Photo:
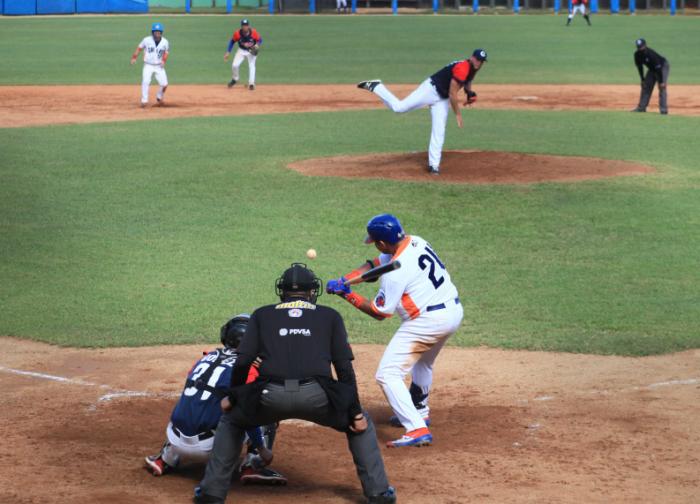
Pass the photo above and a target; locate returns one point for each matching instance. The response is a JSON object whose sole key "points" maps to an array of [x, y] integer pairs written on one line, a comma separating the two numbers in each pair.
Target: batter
{"points": [[423, 295]]}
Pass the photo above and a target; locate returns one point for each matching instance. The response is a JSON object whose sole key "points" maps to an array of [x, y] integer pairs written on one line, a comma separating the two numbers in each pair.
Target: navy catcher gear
{"points": [[233, 330]]}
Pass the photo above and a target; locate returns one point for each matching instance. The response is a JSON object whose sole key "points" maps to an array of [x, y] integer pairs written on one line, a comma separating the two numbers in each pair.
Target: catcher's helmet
{"points": [[386, 228], [157, 27], [640, 42], [298, 278], [233, 330]]}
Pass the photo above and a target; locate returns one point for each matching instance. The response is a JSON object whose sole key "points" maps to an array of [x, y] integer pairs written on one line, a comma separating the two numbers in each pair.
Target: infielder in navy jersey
{"points": [[191, 430], [249, 42], [440, 93]]}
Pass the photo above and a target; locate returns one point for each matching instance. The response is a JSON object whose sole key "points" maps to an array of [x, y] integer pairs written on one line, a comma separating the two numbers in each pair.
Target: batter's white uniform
{"points": [[153, 65], [423, 295], [424, 95]]}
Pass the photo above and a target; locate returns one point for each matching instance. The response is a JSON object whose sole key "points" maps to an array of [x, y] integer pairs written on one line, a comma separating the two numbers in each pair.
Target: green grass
{"points": [[324, 49], [110, 240]]}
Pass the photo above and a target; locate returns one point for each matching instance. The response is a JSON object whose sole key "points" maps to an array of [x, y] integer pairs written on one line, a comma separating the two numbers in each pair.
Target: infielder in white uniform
{"points": [[156, 50], [440, 93], [427, 301]]}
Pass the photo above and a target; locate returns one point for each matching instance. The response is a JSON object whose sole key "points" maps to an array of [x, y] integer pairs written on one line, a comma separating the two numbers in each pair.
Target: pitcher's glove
{"points": [[471, 97], [254, 49]]}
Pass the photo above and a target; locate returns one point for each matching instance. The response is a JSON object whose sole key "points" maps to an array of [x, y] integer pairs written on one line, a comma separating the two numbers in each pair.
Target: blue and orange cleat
{"points": [[418, 437]]}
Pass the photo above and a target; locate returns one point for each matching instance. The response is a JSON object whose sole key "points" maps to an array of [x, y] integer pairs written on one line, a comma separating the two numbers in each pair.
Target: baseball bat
{"points": [[374, 273]]}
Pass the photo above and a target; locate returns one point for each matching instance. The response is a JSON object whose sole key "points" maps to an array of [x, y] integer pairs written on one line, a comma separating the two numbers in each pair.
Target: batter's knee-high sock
{"points": [[588, 20]]}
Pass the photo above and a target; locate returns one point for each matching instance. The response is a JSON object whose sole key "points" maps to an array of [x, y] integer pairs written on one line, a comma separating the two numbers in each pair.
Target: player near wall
{"points": [[156, 50], [249, 41], [578, 6]]}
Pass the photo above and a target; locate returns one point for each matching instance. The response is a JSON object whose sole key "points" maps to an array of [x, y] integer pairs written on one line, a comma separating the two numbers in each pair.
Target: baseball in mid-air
{"points": [[311, 253]]}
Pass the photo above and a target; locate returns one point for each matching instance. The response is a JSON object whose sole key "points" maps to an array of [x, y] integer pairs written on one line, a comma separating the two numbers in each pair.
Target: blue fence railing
{"points": [[32, 7]]}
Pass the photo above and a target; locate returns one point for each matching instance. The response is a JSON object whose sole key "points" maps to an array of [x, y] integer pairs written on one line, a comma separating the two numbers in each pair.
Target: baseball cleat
{"points": [[664, 112], [395, 422], [433, 171], [637, 110], [202, 498], [263, 476], [388, 497], [251, 87], [231, 83], [143, 105], [156, 465], [369, 85], [160, 102], [418, 437]]}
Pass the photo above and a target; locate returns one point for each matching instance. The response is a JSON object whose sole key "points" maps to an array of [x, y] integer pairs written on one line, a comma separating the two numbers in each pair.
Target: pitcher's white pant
{"points": [[161, 77], [242, 54], [424, 95], [414, 347], [189, 448], [577, 8]]}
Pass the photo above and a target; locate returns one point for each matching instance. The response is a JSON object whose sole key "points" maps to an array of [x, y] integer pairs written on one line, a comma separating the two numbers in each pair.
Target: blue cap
{"points": [[386, 228], [480, 54], [245, 22], [157, 27], [640, 42]]}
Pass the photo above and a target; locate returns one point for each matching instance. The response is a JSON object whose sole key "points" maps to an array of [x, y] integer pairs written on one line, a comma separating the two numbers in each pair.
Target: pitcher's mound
{"points": [[470, 167]]}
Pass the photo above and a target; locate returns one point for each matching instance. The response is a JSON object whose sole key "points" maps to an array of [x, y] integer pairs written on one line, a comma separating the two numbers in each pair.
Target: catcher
{"points": [[249, 42], [190, 433]]}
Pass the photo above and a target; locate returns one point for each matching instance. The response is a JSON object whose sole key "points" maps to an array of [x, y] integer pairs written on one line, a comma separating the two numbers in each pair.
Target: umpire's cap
{"points": [[480, 54], [298, 278], [640, 42], [233, 330], [386, 228]]}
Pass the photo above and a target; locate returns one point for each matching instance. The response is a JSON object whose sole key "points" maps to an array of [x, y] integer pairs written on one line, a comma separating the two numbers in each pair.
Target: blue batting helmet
{"points": [[157, 27], [386, 228]]}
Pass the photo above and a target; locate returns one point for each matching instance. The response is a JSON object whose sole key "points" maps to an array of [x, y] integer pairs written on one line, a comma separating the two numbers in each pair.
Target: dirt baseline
{"points": [[470, 167], [509, 426], [43, 105]]}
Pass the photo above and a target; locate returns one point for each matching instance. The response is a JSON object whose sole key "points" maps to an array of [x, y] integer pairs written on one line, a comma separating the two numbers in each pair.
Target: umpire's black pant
{"points": [[648, 88], [310, 403]]}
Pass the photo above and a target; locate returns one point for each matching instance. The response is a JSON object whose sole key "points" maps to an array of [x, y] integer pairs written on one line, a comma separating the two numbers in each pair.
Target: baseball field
{"points": [[569, 225]]}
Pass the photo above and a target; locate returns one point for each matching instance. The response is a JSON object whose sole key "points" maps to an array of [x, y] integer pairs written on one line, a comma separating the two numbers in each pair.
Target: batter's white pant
{"points": [[242, 54], [577, 8], [188, 448], [414, 348], [424, 95], [148, 72]]}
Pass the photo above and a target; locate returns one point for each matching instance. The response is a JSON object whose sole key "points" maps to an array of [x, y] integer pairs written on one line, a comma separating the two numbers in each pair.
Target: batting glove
{"points": [[338, 287]]}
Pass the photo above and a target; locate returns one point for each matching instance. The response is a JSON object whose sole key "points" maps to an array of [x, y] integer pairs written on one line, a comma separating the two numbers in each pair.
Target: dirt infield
{"points": [[509, 427], [470, 167], [43, 105]]}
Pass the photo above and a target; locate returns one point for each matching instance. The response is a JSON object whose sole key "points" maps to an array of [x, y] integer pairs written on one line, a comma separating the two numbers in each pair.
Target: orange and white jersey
{"points": [[421, 285]]}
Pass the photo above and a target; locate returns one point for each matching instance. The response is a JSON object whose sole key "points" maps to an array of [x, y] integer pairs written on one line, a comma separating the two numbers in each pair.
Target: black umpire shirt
{"points": [[652, 60], [294, 340]]}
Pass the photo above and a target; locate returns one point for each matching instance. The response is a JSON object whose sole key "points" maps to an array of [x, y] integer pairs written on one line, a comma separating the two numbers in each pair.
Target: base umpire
{"points": [[296, 340], [658, 70]]}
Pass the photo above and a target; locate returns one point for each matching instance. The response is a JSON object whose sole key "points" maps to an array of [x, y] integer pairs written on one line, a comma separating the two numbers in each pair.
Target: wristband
{"points": [[355, 299]]}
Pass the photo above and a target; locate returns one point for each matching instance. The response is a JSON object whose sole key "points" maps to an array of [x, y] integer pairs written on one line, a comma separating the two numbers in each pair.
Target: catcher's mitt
{"points": [[471, 97], [254, 49]]}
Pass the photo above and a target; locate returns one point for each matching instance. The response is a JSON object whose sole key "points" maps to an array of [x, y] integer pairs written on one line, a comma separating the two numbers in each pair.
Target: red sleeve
{"points": [[461, 71], [252, 374], [255, 35], [236, 36]]}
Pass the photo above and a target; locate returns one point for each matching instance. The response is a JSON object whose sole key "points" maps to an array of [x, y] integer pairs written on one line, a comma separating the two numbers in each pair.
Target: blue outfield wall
{"points": [[30, 7], [55, 6], [19, 7]]}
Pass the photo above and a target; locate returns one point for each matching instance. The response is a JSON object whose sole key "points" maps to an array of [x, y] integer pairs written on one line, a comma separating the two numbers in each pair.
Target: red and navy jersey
{"points": [[198, 409], [462, 71], [245, 40], [579, 2]]}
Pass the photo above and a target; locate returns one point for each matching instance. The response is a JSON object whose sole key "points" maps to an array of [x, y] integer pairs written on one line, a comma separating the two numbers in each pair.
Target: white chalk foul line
{"points": [[114, 394]]}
